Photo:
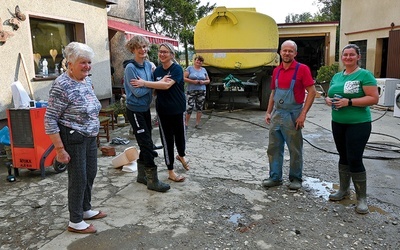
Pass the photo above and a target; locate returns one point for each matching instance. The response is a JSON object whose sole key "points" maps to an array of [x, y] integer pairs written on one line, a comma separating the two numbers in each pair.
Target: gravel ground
{"points": [[221, 205]]}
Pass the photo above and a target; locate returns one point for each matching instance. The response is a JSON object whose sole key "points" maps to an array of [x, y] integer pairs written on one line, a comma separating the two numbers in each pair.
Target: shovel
{"points": [[53, 53]]}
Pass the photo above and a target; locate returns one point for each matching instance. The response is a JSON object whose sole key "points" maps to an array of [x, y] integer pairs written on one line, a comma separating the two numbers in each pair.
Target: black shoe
{"points": [[271, 183], [157, 147], [155, 154], [295, 184]]}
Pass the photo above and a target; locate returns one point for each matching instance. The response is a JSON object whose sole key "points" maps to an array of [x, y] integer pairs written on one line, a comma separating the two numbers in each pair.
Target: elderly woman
{"points": [[170, 106], [72, 123]]}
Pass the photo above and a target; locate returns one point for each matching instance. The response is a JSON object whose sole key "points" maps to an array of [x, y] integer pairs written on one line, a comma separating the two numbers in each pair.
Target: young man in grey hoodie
{"points": [[138, 102]]}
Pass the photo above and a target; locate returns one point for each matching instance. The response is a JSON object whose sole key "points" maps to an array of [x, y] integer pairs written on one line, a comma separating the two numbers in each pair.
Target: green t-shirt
{"points": [[350, 86]]}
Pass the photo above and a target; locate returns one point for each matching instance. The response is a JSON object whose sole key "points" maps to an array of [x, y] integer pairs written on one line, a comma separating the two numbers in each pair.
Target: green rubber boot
{"points": [[141, 175], [344, 182], [152, 181], [360, 185]]}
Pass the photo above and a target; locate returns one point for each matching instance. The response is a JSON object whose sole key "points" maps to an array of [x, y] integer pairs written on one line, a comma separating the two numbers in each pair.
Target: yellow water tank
{"points": [[237, 38]]}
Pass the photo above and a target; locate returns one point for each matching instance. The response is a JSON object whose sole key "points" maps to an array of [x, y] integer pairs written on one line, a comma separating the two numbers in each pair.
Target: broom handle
{"points": [[26, 75]]}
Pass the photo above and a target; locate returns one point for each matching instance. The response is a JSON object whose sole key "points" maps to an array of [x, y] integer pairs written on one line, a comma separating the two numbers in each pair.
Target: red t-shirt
{"points": [[303, 79]]}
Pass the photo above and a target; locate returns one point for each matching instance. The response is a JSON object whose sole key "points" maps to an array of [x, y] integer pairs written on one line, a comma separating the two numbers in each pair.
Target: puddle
{"points": [[234, 218], [377, 210], [322, 189], [318, 188]]}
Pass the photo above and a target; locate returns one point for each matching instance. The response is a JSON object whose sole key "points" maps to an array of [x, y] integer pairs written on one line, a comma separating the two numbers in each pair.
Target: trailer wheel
{"points": [[59, 167], [264, 91], [205, 107]]}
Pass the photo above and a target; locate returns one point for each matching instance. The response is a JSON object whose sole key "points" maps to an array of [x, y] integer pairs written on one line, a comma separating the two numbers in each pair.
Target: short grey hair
{"points": [[75, 50], [292, 43], [170, 47]]}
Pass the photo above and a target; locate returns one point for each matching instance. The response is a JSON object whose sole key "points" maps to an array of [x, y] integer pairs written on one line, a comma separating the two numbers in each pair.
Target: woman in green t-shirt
{"points": [[350, 94]]}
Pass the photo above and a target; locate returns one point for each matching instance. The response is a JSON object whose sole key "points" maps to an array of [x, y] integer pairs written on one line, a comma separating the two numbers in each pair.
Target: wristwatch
{"points": [[350, 102]]}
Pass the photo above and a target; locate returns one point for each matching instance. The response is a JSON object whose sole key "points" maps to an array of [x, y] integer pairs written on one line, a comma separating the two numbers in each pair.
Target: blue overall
{"points": [[283, 129]]}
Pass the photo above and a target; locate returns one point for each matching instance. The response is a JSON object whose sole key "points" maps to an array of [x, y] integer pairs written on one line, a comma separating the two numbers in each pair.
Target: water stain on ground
{"points": [[324, 189]]}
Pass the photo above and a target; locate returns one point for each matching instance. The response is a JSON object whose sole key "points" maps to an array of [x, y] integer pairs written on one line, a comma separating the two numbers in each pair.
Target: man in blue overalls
{"points": [[286, 113]]}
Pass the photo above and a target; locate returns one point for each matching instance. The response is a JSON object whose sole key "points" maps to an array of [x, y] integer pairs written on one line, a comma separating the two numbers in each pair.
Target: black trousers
{"points": [[350, 140], [141, 124], [172, 131], [82, 170]]}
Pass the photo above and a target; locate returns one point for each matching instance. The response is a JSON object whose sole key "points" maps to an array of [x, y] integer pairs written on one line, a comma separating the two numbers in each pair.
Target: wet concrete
{"points": [[222, 190]]}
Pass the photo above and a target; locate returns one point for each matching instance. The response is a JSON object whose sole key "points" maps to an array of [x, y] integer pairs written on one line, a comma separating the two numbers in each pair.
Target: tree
{"points": [[299, 18], [153, 54], [329, 10], [175, 18]]}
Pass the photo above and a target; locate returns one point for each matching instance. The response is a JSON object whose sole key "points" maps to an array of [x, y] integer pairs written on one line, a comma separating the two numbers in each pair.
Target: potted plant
{"points": [[119, 108], [325, 74]]}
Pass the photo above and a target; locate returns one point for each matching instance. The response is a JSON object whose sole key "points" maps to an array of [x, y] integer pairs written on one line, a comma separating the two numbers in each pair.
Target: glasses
{"points": [[163, 52]]}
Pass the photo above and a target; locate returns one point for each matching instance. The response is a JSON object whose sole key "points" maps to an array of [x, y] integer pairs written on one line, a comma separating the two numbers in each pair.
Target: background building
{"points": [[49, 26], [316, 42], [375, 27], [125, 20]]}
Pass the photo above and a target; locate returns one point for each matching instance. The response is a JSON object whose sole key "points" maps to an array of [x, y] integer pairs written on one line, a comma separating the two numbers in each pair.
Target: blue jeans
{"points": [[283, 129]]}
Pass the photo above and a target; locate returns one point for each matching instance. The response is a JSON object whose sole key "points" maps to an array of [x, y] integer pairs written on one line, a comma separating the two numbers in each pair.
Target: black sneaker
{"points": [[271, 183], [295, 184]]}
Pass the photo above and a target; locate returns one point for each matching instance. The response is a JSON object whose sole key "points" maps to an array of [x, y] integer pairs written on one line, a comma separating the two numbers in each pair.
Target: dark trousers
{"points": [[350, 140], [82, 170], [141, 124], [172, 131]]}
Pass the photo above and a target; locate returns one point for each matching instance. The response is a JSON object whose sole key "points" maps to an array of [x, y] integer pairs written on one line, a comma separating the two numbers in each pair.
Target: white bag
{"points": [[21, 98], [130, 167]]}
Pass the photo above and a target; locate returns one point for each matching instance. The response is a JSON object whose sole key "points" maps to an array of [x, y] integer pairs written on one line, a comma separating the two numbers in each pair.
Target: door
{"points": [[393, 64]]}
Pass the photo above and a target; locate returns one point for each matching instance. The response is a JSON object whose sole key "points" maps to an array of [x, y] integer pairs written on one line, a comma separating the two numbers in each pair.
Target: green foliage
{"points": [[153, 54], [299, 18], [325, 73], [329, 10], [119, 107], [175, 18]]}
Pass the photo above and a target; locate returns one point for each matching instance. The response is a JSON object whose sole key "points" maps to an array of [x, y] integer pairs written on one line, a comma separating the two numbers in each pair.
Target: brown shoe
{"points": [[89, 230], [97, 216]]}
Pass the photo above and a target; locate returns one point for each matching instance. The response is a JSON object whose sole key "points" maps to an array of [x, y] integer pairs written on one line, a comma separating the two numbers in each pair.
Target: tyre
{"points": [[59, 167], [264, 91]]}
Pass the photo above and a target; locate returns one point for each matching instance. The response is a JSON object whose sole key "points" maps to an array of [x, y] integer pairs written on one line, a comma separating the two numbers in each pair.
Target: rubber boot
{"points": [[344, 182], [141, 175], [360, 185], [152, 181]]}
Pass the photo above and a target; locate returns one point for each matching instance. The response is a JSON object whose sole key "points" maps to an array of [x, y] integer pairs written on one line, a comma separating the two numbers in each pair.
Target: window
{"points": [[49, 37], [362, 44]]}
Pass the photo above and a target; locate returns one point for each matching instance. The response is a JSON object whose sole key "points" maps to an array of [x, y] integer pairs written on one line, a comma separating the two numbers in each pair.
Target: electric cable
{"points": [[376, 146]]}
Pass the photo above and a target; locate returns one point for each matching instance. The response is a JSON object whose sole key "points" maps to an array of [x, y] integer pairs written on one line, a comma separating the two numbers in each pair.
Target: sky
{"points": [[277, 9]]}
